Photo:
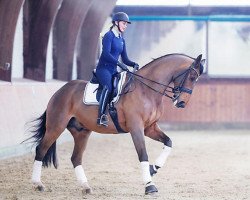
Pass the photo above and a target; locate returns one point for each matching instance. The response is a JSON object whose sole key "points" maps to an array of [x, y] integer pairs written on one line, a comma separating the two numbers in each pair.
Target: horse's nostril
{"points": [[180, 104]]}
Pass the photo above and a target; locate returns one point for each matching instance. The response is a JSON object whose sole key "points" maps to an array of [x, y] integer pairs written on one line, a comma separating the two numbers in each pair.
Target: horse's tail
{"points": [[39, 132]]}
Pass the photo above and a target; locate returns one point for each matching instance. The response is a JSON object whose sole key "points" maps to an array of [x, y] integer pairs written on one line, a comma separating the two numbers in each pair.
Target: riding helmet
{"points": [[120, 16]]}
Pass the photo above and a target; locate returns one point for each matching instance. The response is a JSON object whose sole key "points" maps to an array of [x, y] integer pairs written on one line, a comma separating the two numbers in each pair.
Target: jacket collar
{"points": [[116, 32]]}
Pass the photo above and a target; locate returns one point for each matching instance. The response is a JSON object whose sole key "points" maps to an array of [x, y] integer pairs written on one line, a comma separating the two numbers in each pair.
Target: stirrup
{"points": [[103, 120]]}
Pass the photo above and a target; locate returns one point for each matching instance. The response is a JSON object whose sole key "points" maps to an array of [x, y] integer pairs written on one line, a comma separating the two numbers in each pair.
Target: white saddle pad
{"points": [[89, 97]]}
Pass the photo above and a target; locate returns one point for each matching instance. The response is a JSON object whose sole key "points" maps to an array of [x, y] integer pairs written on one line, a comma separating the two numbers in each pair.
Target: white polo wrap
{"points": [[37, 169], [160, 161], [145, 172], [80, 175]]}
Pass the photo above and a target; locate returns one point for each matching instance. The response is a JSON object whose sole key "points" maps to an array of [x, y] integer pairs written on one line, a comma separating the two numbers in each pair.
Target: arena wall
{"points": [[21, 102], [214, 103]]}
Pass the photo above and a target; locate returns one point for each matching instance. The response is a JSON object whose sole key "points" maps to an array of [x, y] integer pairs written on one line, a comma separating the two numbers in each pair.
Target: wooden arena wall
{"points": [[214, 102], [20, 103]]}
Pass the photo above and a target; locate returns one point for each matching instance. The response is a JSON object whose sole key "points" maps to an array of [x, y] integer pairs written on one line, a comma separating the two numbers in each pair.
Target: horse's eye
{"points": [[192, 78]]}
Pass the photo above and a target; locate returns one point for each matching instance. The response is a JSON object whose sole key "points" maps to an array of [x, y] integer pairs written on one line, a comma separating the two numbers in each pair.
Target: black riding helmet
{"points": [[120, 16]]}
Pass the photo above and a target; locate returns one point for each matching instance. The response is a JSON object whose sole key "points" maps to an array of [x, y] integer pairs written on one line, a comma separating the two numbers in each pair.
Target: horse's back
{"points": [[72, 87], [68, 94]]}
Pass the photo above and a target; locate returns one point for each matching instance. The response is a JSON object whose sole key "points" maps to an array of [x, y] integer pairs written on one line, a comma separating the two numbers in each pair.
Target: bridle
{"points": [[180, 88], [168, 89]]}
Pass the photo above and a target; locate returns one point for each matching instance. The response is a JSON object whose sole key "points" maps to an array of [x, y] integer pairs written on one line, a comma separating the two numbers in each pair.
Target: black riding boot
{"points": [[102, 117]]}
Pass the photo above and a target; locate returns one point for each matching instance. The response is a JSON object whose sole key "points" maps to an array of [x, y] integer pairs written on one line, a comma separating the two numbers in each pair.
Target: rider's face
{"points": [[122, 25]]}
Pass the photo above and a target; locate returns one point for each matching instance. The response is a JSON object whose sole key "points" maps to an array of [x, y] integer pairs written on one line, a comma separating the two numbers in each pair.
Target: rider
{"points": [[113, 46]]}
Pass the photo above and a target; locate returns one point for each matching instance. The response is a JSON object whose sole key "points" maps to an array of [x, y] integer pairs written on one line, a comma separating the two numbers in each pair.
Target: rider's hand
{"points": [[136, 66], [122, 66]]}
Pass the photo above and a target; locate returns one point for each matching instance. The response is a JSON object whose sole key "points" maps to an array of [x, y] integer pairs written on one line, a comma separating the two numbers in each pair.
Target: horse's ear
{"points": [[197, 61], [203, 62]]}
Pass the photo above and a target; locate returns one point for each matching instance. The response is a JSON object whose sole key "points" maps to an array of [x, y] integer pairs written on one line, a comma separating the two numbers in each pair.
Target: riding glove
{"points": [[122, 66], [136, 66]]}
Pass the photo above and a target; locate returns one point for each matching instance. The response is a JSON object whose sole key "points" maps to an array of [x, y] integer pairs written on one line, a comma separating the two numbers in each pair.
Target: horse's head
{"points": [[184, 82]]}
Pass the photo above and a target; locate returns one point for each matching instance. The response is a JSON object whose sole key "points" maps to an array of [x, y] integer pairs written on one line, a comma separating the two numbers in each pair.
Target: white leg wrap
{"points": [[80, 175], [37, 169], [145, 172], [160, 161]]}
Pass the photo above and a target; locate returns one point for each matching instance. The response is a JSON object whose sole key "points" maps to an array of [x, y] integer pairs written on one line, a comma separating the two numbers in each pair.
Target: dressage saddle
{"points": [[115, 81]]}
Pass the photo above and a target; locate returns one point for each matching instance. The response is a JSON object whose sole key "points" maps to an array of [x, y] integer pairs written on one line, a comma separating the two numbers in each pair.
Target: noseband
{"points": [[180, 88], [168, 89]]}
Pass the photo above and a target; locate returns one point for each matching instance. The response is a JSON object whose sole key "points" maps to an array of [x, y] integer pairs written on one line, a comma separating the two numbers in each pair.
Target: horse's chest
{"points": [[151, 113]]}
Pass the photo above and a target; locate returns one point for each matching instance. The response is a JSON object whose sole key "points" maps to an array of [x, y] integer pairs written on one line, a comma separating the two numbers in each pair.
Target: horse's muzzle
{"points": [[180, 104]]}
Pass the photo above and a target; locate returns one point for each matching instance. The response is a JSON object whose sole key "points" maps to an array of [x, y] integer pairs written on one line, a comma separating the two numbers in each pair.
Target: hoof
{"points": [[86, 189], [39, 187], [151, 190]]}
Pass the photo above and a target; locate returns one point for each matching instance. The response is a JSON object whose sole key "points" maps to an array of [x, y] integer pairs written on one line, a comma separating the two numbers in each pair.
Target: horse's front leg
{"points": [[154, 132], [137, 135]]}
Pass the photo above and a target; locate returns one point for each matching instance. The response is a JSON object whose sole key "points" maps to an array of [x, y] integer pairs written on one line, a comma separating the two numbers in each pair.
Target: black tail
{"points": [[39, 132]]}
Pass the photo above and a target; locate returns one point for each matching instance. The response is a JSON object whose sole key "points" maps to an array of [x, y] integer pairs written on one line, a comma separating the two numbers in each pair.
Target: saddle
{"points": [[93, 91]]}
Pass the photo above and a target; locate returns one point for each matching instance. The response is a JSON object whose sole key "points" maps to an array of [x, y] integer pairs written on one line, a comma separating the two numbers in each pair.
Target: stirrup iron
{"points": [[103, 120]]}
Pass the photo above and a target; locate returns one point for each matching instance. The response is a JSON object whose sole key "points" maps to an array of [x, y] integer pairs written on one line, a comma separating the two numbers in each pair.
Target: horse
{"points": [[139, 109]]}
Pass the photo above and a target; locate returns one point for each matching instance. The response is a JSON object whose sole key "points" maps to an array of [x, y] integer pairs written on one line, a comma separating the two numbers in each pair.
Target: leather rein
{"points": [[168, 89]]}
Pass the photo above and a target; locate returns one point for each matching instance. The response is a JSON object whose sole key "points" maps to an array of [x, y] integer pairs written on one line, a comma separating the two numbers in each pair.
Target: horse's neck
{"points": [[165, 68], [158, 75], [158, 72]]}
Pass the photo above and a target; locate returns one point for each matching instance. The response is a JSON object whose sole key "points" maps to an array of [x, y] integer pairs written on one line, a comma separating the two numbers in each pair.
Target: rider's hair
{"points": [[113, 25]]}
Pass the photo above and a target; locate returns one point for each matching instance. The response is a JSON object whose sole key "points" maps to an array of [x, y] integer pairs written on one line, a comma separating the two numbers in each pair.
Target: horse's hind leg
{"points": [[154, 132], [80, 135], [45, 136]]}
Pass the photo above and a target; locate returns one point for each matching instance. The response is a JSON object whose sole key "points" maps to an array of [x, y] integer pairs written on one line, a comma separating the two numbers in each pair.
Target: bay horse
{"points": [[172, 75]]}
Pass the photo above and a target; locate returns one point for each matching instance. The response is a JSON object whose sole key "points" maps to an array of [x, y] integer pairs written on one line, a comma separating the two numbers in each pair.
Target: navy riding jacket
{"points": [[112, 48]]}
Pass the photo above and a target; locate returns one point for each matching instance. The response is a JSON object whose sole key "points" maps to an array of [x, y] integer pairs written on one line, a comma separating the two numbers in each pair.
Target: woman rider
{"points": [[113, 46]]}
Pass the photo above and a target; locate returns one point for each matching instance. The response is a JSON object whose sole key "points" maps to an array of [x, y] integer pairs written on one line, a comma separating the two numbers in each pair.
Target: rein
{"points": [[161, 84], [174, 90]]}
